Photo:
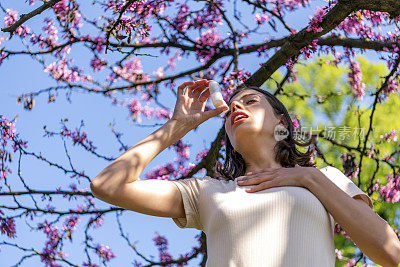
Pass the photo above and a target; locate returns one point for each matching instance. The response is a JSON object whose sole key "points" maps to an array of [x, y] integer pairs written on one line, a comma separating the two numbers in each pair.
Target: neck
{"points": [[258, 154]]}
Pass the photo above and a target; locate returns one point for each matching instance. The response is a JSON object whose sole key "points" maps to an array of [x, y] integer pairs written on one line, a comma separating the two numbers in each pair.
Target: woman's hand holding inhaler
{"points": [[190, 103]]}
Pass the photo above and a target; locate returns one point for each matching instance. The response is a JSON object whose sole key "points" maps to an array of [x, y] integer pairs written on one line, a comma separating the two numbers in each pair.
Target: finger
{"points": [[214, 112], [261, 176], [261, 171], [192, 89], [253, 181], [262, 186], [205, 95], [199, 87], [181, 88], [197, 90]]}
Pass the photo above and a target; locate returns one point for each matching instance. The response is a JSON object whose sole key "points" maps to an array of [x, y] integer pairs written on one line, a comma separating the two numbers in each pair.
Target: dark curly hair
{"points": [[285, 150]]}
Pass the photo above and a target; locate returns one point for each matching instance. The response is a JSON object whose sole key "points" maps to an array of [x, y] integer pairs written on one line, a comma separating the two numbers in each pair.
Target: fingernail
{"points": [[249, 173]]}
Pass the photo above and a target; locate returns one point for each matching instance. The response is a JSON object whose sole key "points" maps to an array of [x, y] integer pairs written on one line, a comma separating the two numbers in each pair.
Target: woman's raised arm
{"points": [[118, 183]]}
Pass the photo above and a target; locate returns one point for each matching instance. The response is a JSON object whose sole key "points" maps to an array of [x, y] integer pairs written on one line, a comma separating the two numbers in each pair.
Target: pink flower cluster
{"points": [[391, 136], [231, 81], [70, 223], [60, 71], [7, 225], [391, 191], [78, 137], [161, 172], [98, 43], [350, 165], [97, 221], [136, 109], [205, 18], [391, 88], [97, 63], [171, 60], [315, 22], [355, 80], [131, 71], [209, 38], [308, 50], [10, 18], [182, 150], [201, 154], [182, 19], [291, 5], [65, 13], [104, 252], [295, 123], [8, 134], [183, 170], [50, 249], [262, 18], [162, 244]]}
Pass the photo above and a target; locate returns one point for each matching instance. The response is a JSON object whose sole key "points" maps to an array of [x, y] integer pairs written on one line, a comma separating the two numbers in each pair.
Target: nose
{"points": [[235, 105]]}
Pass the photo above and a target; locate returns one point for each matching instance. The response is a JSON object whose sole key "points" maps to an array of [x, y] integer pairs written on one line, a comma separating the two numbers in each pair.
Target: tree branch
{"points": [[294, 43], [24, 17]]}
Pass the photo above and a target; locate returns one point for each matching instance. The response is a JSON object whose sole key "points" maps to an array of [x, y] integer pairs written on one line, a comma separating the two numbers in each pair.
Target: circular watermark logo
{"points": [[280, 132]]}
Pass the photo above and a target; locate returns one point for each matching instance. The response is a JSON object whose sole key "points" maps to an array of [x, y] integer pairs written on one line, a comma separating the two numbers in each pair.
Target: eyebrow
{"points": [[246, 95]]}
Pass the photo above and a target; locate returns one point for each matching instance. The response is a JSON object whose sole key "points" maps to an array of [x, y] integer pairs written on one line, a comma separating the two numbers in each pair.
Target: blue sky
{"points": [[22, 74]]}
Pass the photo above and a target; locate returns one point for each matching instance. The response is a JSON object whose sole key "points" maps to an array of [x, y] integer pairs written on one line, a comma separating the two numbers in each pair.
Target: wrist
{"points": [[308, 178], [180, 124]]}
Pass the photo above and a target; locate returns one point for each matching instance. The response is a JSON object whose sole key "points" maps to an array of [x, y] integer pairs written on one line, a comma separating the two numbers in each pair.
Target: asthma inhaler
{"points": [[216, 95]]}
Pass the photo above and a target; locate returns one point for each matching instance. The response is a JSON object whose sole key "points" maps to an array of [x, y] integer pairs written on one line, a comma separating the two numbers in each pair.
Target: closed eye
{"points": [[229, 111]]}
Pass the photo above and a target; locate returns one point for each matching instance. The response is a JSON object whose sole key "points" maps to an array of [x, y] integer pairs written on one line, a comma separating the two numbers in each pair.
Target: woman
{"points": [[281, 215]]}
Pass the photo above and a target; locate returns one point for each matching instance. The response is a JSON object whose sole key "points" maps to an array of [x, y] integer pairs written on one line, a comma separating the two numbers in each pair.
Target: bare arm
{"points": [[118, 183], [114, 183]]}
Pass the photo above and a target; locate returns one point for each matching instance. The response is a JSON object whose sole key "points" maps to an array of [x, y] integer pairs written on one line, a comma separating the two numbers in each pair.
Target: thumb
{"points": [[214, 112]]}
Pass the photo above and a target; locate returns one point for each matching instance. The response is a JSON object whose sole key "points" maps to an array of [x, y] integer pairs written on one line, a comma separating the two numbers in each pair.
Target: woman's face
{"points": [[261, 120]]}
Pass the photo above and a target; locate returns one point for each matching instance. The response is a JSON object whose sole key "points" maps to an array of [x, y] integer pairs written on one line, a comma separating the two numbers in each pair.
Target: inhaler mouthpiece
{"points": [[216, 95]]}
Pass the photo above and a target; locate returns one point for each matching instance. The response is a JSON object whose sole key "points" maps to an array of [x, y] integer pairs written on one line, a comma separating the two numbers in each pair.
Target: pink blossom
{"points": [[391, 191], [318, 17], [391, 88], [350, 263], [182, 150], [261, 18], [98, 64], [391, 136], [64, 13], [130, 71], [10, 18], [350, 165], [209, 38], [8, 135], [50, 249], [61, 71], [201, 154], [7, 226], [338, 254], [182, 20], [98, 45], [161, 172], [162, 244], [295, 123], [159, 73], [104, 252], [77, 136], [135, 108], [231, 81], [355, 80]]}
